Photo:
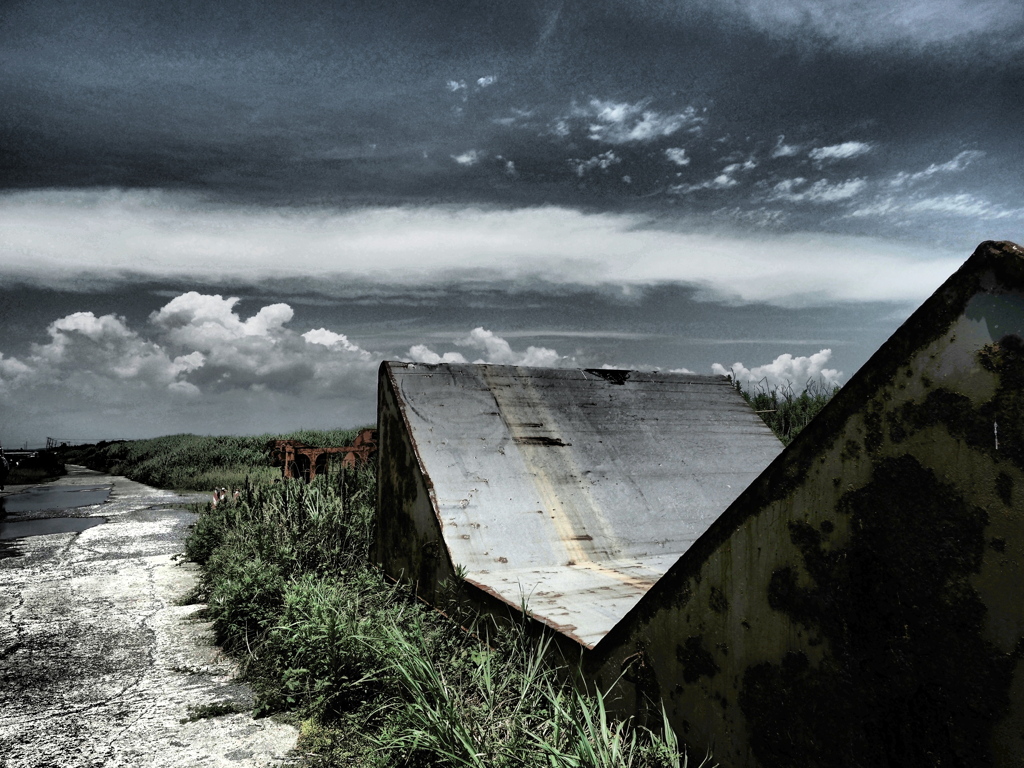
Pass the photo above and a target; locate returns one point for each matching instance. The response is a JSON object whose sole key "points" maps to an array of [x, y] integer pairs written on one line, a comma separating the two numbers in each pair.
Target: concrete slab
{"points": [[99, 665]]}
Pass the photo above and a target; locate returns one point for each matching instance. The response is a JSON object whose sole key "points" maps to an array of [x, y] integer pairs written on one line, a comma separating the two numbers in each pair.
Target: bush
{"points": [[45, 465]]}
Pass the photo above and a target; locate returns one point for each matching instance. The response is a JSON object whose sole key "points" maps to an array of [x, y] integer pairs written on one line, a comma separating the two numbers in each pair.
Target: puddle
{"points": [[53, 497], [47, 525]]}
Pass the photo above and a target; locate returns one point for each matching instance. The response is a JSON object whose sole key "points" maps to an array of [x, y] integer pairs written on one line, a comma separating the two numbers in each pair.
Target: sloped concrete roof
{"points": [[572, 491]]}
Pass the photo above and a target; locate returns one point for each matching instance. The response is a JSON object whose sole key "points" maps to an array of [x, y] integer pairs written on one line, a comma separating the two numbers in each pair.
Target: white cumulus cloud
{"points": [[782, 149], [495, 349], [468, 158], [604, 161], [677, 155], [784, 371], [196, 343], [421, 353], [613, 122], [201, 319], [326, 338], [98, 356]]}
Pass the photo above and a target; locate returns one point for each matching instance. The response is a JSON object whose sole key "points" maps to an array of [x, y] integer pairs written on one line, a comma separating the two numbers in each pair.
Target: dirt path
{"points": [[98, 665]]}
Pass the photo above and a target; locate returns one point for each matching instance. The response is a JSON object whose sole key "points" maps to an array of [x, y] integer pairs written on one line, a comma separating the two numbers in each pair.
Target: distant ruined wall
{"points": [[862, 602]]}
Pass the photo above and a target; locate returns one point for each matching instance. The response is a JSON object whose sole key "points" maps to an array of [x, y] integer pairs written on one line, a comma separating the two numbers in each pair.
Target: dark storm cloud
{"points": [[499, 102]]}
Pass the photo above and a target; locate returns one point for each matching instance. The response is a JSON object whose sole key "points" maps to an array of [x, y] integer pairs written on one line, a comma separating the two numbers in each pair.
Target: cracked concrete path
{"points": [[99, 665]]}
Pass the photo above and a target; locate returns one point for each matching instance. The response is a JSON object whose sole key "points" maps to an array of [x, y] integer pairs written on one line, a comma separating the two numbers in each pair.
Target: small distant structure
{"points": [[298, 460]]}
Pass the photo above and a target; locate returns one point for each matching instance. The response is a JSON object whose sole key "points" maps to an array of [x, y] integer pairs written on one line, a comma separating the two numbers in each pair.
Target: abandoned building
{"points": [[298, 460], [855, 599]]}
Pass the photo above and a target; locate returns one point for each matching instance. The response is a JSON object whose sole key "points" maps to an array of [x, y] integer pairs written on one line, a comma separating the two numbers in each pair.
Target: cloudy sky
{"points": [[220, 217]]}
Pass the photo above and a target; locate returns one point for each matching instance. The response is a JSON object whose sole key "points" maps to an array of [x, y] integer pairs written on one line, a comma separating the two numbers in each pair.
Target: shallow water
{"points": [[47, 525], [53, 497]]}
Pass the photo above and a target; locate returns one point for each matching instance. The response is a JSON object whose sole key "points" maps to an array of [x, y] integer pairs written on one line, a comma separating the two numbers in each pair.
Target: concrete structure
{"points": [[861, 603], [571, 491], [298, 460]]}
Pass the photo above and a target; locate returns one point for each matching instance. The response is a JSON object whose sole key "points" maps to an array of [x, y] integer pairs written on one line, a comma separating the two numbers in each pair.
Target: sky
{"points": [[221, 217]]}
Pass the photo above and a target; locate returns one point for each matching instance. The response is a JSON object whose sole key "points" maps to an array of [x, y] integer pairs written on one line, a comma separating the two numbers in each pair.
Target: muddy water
{"points": [[47, 525], [43, 498]]}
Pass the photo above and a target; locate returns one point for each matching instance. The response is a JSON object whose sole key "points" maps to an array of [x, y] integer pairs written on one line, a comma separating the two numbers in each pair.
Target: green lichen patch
{"points": [[907, 678], [995, 427]]}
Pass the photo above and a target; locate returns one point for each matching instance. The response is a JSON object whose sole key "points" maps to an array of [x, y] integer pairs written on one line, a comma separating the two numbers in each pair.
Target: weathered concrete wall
{"points": [[408, 538], [862, 602]]}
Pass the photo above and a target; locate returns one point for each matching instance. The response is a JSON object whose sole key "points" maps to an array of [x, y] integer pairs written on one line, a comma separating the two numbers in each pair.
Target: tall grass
{"points": [[378, 678], [787, 411]]}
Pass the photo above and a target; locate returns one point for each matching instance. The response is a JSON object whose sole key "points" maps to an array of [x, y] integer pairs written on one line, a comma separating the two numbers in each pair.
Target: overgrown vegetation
{"points": [[786, 410], [376, 678], [42, 467], [195, 462]]}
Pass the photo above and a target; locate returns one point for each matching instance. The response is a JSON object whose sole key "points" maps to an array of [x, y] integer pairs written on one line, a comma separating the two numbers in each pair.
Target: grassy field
{"points": [[374, 677]]}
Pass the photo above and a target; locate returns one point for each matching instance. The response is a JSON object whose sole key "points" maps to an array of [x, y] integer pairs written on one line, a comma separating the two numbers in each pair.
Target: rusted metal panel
{"points": [[574, 490]]}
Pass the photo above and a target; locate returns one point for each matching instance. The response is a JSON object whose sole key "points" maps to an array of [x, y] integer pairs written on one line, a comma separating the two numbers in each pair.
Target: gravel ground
{"points": [[99, 666]]}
